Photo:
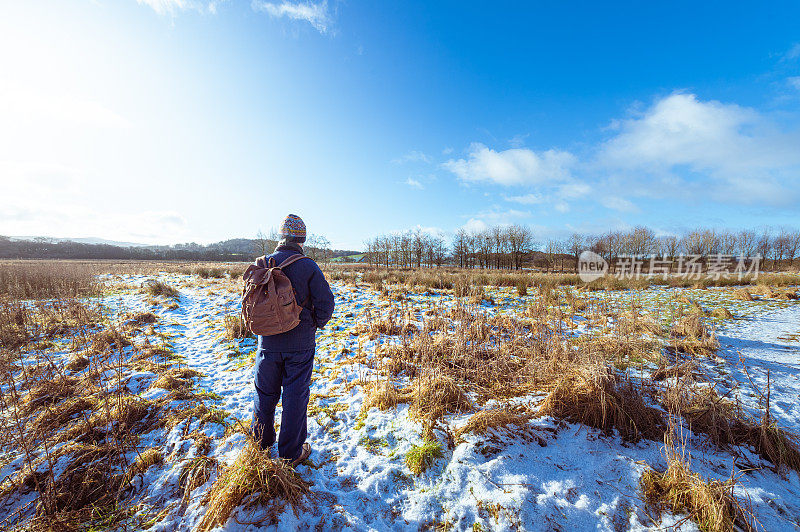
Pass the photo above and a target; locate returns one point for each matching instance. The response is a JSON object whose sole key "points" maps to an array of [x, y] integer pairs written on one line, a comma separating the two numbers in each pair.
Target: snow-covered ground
{"points": [[570, 478]]}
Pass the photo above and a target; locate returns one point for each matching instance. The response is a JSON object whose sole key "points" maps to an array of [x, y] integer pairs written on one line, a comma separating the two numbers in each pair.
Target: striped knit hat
{"points": [[293, 229]]}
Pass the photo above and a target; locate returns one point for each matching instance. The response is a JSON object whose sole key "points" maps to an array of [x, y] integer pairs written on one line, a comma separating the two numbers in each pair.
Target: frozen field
{"points": [[549, 475]]}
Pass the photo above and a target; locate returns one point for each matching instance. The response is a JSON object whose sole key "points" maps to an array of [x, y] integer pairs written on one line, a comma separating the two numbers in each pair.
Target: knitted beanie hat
{"points": [[293, 229]]}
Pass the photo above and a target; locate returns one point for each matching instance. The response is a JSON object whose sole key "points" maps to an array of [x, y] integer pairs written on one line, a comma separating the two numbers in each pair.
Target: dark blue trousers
{"points": [[292, 372]]}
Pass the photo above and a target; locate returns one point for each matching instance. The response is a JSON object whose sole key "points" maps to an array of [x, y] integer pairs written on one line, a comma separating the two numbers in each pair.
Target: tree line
{"points": [[494, 247], [515, 247]]}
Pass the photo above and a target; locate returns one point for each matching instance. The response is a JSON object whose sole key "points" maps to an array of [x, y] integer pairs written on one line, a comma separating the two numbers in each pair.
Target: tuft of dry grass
{"points": [[710, 504], [431, 397], [600, 399], [157, 288], [495, 421], [77, 362], [144, 461], [385, 395], [141, 318], [726, 424], [690, 335], [683, 370], [253, 480], [788, 295], [763, 290], [195, 473], [743, 294], [721, 313], [176, 379], [437, 395], [48, 392], [235, 328], [109, 338]]}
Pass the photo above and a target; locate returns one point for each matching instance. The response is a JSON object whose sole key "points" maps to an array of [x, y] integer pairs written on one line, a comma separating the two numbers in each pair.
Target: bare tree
{"points": [[670, 246], [764, 245], [793, 246], [264, 244], [520, 242], [746, 243], [576, 244]]}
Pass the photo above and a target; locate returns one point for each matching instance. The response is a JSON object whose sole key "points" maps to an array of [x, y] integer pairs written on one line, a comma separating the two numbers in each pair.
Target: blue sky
{"points": [[176, 120]]}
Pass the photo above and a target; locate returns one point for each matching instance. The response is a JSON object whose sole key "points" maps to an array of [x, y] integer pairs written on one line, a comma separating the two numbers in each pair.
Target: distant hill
{"points": [[86, 240], [235, 249]]}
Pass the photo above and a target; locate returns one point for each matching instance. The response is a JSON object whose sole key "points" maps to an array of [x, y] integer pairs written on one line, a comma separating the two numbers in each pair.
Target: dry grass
{"points": [[139, 319], [600, 399], [683, 370], [77, 362], [235, 328], [253, 480], [690, 335], [788, 295], [743, 294], [196, 473], [501, 421], [391, 325], [500, 356], [157, 288], [726, 424], [384, 395], [710, 504], [144, 461], [459, 280], [176, 379], [763, 290], [431, 397], [109, 339], [47, 280], [721, 313], [24, 324], [437, 395]]}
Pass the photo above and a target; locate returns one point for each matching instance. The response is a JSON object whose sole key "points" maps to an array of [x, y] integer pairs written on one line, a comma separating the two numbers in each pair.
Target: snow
{"points": [[579, 479]]}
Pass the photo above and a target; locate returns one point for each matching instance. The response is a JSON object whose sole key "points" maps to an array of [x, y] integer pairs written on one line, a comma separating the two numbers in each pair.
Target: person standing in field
{"points": [[284, 361]]}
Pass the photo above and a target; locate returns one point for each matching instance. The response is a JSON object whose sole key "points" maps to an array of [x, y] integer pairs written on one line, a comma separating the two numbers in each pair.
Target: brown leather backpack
{"points": [[269, 305]]}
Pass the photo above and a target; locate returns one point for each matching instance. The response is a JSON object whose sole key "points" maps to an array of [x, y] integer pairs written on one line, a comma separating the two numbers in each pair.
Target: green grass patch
{"points": [[421, 457]]}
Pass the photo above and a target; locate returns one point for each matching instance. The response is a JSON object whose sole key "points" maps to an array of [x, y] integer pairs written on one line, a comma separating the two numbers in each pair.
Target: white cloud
{"points": [[533, 198], [557, 197], [494, 216], [619, 204], [681, 141], [515, 166], [561, 206], [474, 225], [315, 14], [574, 190], [171, 7], [518, 141], [413, 183], [413, 156], [794, 82], [794, 52]]}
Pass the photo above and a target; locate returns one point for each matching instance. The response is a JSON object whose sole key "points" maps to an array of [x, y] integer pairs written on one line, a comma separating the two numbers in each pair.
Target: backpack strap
{"points": [[291, 260]]}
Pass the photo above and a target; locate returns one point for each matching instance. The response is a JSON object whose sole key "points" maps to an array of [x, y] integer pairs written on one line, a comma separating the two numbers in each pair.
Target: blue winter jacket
{"points": [[312, 291]]}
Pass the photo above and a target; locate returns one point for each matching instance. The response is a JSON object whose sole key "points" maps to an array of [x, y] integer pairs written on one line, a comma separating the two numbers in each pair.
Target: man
{"points": [[285, 360]]}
